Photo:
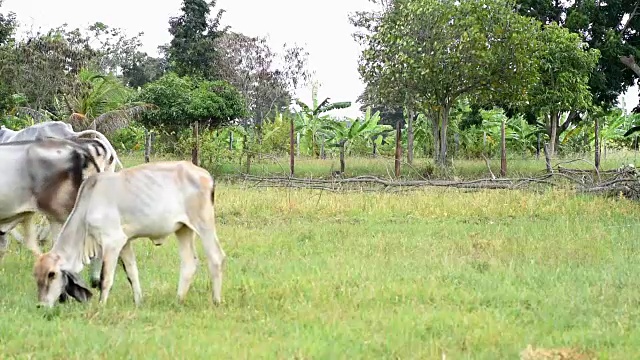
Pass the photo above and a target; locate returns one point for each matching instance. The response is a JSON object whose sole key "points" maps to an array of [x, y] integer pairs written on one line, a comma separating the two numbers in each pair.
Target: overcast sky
{"points": [[322, 27]]}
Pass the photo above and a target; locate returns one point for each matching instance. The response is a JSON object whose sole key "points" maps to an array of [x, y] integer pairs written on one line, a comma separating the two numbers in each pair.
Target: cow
{"points": [[41, 176], [58, 129], [152, 200], [55, 129]]}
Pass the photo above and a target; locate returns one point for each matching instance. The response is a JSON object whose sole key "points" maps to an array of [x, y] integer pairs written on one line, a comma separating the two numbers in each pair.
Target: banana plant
{"points": [[310, 119], [341, 133]]}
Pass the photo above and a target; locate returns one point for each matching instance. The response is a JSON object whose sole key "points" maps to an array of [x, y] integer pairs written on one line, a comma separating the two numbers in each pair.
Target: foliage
{"points": [[46, 65], [249, 64], [181, 101], [601, 24], [427, 53], [192, 50], [565, 65], [310, 120]]}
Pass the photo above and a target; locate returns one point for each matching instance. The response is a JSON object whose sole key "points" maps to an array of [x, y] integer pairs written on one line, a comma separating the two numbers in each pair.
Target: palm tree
{"points": [[103, 103]]}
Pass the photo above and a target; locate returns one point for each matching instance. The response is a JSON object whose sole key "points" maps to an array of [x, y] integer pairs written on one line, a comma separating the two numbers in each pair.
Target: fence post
{"points": [[147, 145], [503, 151]]}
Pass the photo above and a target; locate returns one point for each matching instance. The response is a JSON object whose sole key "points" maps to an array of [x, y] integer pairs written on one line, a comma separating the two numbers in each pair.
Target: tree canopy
{"points": [[425, 54], [181, 101]]}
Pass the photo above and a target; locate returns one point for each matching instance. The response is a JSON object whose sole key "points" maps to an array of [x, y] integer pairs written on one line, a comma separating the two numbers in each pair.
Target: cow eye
{"points": [[52, 274]]}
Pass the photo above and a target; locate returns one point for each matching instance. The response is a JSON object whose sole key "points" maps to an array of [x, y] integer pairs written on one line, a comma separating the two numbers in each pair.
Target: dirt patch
{"points": [[529, 353]]}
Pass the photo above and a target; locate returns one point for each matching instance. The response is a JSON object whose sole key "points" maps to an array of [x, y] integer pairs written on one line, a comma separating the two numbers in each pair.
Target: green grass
{"points": [[320, 275]]}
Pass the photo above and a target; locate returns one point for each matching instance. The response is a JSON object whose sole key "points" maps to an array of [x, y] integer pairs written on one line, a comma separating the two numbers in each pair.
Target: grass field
{"points": [[310, 274]]}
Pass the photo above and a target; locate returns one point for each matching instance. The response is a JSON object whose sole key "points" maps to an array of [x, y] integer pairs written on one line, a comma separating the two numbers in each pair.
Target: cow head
{"points": [[55, 283]]}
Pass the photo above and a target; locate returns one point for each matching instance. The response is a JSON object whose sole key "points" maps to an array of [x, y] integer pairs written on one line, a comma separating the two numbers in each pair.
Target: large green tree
{"points": [[612, 27], [565, 66], [192, 50], [425, 54], [181, 101]]}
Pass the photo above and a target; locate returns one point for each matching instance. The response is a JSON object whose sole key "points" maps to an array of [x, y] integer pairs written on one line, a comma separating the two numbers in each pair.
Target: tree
{"points": [[310, 119], [8, 25], [192, 50], [565, 66], [141, 68], [343, 133], [250, 65], [183, 100], [612, 27], [115, 49], [46, 65], [425, 54]]}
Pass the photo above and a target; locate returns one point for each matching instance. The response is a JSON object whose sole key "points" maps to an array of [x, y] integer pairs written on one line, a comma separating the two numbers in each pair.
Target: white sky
{"points": [[322, 27]]}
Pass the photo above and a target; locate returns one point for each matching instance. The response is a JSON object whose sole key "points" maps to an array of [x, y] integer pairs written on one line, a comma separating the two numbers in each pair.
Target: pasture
{"points": [[321, 275]]}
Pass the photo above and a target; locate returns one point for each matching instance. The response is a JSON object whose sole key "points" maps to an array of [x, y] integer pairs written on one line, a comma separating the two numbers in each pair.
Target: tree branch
{"points": [[630, 62]]}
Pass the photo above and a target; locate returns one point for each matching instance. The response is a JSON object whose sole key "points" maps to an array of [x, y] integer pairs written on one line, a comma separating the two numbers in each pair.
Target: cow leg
{"points": [[128, 262], [215, 257], [110, 255], [28, 224], [188, 260]]}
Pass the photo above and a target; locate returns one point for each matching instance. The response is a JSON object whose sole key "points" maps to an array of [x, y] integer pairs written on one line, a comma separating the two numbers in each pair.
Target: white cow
{"points": [[152, 200], [61, 130], [56, 129], [42, 176]]}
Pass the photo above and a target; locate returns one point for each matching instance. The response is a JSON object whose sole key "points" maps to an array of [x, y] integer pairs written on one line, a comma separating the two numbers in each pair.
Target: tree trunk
{"points": [[342, 158], [597, 144], [547, 158], [503, 151], [195, 152], [410, 137], [398, 147], [538, 147], [553, 132], [443, 135], [291, 147], [435, 127]]}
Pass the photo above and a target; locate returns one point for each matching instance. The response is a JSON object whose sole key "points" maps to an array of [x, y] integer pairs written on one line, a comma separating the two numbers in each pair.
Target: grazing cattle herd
{"points": [[95, 212]]}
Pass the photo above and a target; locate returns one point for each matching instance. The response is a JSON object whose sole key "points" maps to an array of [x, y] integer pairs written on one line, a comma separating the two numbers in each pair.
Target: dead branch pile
{"points": [[623, 181]]}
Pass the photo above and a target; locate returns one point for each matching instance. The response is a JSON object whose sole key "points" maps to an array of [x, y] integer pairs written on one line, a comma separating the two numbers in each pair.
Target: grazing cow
{"points": [[152, 200], [41, 176]]}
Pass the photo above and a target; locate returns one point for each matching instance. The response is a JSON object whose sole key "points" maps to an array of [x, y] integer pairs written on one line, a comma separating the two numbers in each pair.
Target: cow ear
{"points": [[76, 288]]}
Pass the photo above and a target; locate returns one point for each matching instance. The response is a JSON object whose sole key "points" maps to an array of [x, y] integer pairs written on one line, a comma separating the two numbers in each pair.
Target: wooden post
{"points": [[597, 144], [538, 148], [547, 157], [342, 156], [147, 145], [230, 140], [291, 147], [398, 148], [503, 151], [195, 156]]}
